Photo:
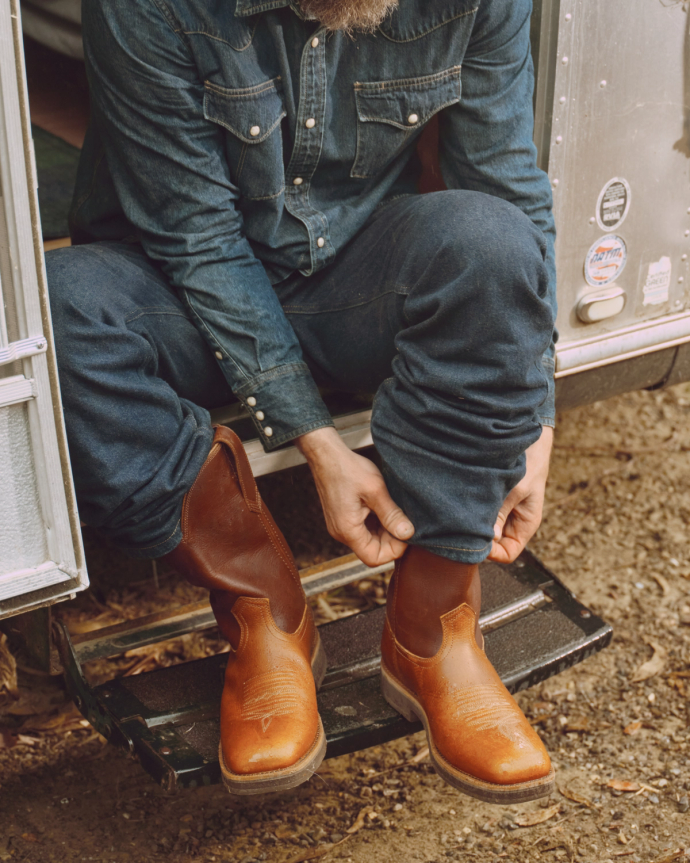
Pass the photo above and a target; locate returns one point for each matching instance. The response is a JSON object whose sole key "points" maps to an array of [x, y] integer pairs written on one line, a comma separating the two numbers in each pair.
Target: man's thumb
{"points": [[391, 516]]}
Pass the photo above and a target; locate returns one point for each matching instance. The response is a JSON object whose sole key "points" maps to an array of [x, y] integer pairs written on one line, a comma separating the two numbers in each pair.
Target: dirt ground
{"points": [[615, 531]]}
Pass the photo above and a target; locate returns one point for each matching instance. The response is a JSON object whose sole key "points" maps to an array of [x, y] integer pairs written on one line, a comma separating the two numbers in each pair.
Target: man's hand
{"points": [[358, 509], [520, 515]]}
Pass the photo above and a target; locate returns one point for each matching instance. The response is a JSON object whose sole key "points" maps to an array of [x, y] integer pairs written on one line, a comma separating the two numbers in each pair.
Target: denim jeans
{"points": [[438, 306]]}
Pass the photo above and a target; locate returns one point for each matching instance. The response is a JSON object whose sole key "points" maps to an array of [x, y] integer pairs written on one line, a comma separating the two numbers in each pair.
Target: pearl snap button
{"points": [[254, 131], [268, 431], [311, 122], [412, 119], [219, 356], [297, 181], [315, 42], [260, 415], [251, 401], [321, 242]]}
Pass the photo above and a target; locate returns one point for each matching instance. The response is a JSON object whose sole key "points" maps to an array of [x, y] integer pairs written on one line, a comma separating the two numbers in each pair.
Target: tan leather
{"points": [[474, 724], [232, 546], [268, 709]]}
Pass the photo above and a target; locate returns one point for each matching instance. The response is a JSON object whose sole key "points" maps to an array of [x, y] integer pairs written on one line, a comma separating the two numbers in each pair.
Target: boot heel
{"points": [[397, 698]]}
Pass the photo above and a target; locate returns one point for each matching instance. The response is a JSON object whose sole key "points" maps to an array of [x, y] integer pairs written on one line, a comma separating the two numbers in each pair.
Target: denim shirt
{"points": [[240, 143]]}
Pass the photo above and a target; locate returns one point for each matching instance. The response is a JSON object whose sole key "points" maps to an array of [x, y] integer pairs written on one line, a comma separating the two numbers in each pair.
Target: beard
{"points": [[349, 15]]}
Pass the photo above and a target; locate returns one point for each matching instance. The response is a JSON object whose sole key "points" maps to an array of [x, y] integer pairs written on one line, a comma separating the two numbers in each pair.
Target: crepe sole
{"points": [[407, 705]]}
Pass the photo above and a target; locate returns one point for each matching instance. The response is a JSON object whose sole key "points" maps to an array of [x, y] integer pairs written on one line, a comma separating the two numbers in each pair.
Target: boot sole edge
{"points": [[411, 710]]}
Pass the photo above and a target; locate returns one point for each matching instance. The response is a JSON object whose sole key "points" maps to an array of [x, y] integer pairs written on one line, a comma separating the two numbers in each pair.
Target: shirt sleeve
{"points": [[169, 170], [486, 141]]}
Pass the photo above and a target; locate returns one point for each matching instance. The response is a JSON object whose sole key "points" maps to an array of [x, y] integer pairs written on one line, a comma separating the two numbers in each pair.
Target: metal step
{"points": [[534, 628]]}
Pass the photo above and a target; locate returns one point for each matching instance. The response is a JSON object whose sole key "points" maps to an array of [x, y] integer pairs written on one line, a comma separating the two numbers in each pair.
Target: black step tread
{"points": [[170, 717]]}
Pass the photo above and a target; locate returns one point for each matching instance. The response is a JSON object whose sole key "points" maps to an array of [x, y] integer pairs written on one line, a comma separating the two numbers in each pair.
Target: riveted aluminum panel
{"points": [[612, 123], [41, 558]]}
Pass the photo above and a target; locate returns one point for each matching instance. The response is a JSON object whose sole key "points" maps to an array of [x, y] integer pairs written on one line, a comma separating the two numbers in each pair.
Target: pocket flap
{"points": [[407, 103], [250, 113]]}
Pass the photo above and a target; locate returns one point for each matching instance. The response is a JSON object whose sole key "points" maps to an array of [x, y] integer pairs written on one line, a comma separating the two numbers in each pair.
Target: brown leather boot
{"points": [[433, 668], [271, 734]]}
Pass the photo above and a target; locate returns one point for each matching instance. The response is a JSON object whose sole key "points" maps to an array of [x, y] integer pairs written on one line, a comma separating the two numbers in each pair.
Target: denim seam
{"points": [[422, 81], [219, 39], [459, 548], [162, 542], [403, 128], [275, 373], [140, 313], [300, 430], [301, 310], [243, 93], [212, 338], [169, 20], [265, 197], [426, 32]]}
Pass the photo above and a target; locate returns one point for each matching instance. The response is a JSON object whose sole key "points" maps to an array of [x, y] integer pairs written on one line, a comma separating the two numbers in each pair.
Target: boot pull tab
{"points": [[250, 492]]}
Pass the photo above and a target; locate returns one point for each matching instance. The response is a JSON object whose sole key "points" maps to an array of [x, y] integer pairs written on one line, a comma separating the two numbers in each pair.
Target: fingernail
{"points": [[404, 529]]}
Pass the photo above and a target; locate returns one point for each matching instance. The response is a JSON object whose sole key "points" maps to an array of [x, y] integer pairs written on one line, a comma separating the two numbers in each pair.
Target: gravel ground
{"points": [[615, 531]]}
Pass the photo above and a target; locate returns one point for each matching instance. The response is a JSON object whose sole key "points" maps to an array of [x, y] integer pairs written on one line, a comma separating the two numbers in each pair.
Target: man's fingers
{"points": [[389, 514]]}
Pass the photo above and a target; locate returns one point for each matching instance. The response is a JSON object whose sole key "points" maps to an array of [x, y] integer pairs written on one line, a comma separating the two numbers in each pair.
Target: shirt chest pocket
{"points": [[391, 113], [254, 147]]}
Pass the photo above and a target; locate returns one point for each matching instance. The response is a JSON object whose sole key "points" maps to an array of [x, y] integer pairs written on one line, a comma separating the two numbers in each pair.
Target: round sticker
{"points": [[605, 260], [613, 204]]}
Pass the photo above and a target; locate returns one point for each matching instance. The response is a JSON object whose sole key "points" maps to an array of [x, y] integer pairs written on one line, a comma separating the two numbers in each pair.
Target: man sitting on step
{"points": [[247, 226]]}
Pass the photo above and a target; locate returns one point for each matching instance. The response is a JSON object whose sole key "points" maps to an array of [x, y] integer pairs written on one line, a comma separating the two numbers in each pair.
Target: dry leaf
{"points": [[622, 785], [670, 856], [359, 820], [652, 666], [663, 584], [578, 798], [29, 837], [633, 728], [8, 668], [538, 816], [315, 853]]}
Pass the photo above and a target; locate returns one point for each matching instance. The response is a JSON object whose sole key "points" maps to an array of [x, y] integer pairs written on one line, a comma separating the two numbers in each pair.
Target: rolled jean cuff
{"points": [[547, 411], [284, 403], [159, 549], [457, 554]]}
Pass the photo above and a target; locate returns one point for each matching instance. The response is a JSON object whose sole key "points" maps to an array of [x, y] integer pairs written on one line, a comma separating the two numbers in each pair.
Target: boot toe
{"points": [[278, 749]]}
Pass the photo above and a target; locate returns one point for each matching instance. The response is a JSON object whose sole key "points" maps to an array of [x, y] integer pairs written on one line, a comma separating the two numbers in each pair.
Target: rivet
{"points": [[683, 257], [565, 61], [681, 279], [602, 84], [555, 182], [559, 139], [251, 401], [592, 220], [562, 100], [254, 131], [687, 233], [688, 209], [568, 17], [166, 750], [585, 613]]}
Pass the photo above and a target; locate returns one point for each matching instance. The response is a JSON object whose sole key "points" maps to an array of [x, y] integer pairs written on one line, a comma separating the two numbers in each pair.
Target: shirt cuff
{"points": [[284, 403], [547, 412]]}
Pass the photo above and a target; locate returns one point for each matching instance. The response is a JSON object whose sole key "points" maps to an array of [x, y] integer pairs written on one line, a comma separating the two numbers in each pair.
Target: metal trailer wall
{"points": [[41, 557], [612, 109]]}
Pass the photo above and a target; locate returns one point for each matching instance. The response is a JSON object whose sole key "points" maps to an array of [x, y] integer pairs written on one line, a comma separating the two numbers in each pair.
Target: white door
{"points": [[41, 556]]}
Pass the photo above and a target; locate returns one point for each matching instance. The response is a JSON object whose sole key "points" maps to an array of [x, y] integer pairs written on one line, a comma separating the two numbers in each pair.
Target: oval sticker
{"points": [[613, 204], [605, 260]]}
